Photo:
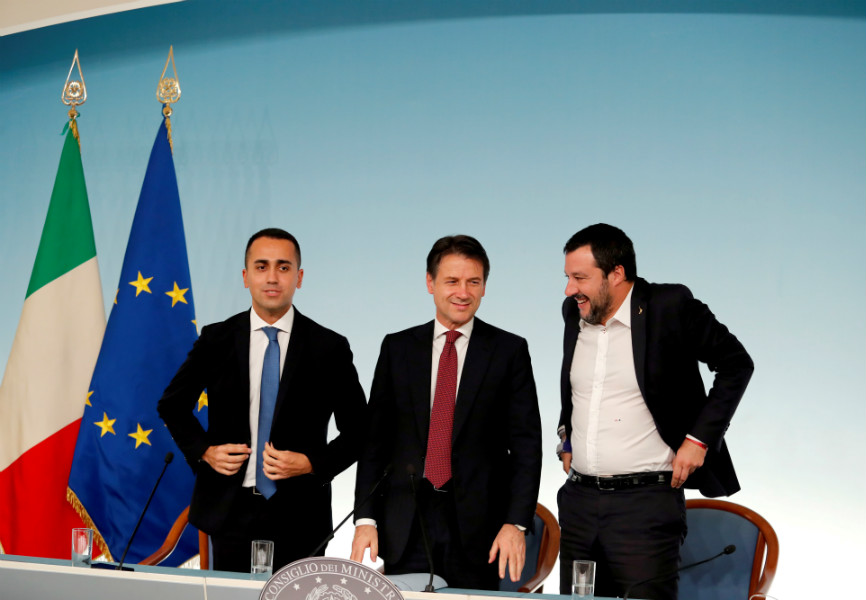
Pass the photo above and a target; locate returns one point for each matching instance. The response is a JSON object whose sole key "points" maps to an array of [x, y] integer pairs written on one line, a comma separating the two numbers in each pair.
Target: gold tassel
{"points": [[166, 110], [73, 125], [88, 522]]}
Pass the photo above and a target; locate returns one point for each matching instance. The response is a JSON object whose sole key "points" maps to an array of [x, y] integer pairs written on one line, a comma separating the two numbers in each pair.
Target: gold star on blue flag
{"points": [[147, 338]]}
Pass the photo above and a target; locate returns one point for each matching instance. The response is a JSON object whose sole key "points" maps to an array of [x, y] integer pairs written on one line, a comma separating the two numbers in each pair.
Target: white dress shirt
{"points": [[613, 431], [258, 345]]}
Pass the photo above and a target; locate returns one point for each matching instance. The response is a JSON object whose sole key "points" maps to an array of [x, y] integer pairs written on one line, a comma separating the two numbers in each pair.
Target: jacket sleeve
{"points": [[176, 407], [524, 439], [377, 447], [723, 353], [343, 390]]}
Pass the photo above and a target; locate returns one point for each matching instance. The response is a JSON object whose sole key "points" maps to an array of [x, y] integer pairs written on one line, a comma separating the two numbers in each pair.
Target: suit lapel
{"points": [[420, 359], [571, 315], [639, 309], [297, 341], [478, 356], [242, 351]]}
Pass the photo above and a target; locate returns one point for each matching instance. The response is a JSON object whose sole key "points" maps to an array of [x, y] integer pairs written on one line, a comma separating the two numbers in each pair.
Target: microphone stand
{"points": [[410, 468], [730, 549]]}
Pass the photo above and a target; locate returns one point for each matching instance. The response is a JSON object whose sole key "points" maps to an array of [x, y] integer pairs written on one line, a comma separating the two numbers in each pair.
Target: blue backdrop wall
{"points": [[727, 139]]}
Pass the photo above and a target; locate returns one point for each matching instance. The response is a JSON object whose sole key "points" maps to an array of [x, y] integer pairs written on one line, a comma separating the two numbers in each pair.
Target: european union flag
{"points": [[122, 442]]}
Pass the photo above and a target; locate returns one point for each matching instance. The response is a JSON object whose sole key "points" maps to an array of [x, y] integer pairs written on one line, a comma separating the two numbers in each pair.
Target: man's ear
{"points": [[617, 276]]}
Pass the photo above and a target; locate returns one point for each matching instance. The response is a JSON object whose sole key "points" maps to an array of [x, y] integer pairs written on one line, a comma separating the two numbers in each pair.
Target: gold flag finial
{"points": [[168, 91], [74, 93]]}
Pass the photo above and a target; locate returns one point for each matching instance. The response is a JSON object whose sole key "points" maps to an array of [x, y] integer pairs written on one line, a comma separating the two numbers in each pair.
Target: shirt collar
{"points": [[465, 329], [622, 314], [284, 323]]}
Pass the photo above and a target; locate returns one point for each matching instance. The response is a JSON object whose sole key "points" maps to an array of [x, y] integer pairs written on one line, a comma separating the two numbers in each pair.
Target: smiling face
{"points": [[598, 296], [272, 276], [457, 289]]}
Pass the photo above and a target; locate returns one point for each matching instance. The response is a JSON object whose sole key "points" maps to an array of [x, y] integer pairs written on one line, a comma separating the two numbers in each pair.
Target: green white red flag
{"points": [[45, 384]]}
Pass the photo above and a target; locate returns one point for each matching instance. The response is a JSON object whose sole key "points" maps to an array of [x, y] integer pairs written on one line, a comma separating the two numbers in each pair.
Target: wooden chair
{"points": [[713, 525], [542, 550], [172, 539]]}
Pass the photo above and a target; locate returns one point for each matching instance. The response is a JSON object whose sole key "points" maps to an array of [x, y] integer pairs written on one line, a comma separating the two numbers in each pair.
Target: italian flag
{"points": [[45, 385]]}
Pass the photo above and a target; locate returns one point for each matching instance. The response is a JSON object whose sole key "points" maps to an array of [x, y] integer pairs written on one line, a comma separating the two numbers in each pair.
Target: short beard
{"points": [[598, 310]]}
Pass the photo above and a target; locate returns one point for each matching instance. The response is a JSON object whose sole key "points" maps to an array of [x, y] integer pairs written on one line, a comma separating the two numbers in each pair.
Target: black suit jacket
{"points": [[318, 380], [671, 333], [496, 440]]}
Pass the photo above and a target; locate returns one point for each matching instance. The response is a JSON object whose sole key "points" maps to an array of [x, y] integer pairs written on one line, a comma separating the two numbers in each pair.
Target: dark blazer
{"points": [[318, 380], [671, 332], [496, 441]]}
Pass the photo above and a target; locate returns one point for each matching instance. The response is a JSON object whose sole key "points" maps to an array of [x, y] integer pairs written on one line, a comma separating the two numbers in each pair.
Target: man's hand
{"points": [[566, 461], [282, 464], [689, 457], [510, 544], [366, 536], [226, 459]]}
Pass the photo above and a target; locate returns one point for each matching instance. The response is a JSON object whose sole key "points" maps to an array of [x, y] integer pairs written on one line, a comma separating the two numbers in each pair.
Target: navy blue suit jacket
{"points": [[318, 380], [496, 439]]}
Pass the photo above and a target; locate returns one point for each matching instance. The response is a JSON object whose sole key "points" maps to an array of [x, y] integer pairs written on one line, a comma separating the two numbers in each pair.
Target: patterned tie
{"points": [[437, 468], [267, 403]]}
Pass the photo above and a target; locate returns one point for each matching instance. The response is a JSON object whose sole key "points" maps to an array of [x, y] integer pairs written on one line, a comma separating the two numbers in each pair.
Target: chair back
{"points": [[542, 549], [713, 525], [172, 540]]}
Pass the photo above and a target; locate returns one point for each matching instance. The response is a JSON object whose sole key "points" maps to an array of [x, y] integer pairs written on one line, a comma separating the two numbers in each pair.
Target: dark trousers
{"points": [[632, 535], [255, 518], [450, 561]]}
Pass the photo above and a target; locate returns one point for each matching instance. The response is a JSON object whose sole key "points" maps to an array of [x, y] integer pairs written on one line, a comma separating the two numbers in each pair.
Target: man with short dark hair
{"points": [[636, 422], [273, 378], [454, 414]]}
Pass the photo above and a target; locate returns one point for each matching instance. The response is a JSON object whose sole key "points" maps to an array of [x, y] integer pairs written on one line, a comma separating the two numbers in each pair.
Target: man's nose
{"points": [[571, 288]]}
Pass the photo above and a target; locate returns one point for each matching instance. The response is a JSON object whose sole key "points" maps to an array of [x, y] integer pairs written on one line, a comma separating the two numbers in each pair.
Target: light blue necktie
{"points": [[267, 403]]}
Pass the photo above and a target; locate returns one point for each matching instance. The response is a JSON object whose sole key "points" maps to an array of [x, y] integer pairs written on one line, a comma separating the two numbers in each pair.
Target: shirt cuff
{"points": [[697, 441], [360, 522]]}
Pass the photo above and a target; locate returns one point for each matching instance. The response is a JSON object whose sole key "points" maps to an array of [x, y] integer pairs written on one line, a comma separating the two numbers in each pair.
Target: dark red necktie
{"points": [[437, 467]]}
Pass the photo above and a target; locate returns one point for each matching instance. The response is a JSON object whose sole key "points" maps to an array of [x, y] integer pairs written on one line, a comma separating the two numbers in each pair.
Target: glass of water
{"points": [[583, 580], [82, 547], [262, 560]]}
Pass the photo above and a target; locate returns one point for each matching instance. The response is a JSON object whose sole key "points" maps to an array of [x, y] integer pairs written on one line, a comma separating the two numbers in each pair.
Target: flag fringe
{"points": [[88, 522]]}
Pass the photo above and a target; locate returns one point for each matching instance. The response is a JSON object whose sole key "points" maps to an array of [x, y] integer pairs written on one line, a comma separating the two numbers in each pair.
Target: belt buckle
{"points": [[605, 488]]}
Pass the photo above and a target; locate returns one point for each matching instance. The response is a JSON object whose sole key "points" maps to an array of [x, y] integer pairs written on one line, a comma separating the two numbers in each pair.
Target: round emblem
{"points": [[328, 579]]}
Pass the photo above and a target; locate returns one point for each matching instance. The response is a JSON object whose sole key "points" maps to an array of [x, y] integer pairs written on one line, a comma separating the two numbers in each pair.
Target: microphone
{"points": [[168, 458], [729, 549], [410, 469], [330, 536]]}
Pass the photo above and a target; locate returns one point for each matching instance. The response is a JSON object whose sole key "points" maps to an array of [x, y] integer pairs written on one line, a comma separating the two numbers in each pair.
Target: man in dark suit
{"points": [[479, 455], [273, 378], [637, 424]]}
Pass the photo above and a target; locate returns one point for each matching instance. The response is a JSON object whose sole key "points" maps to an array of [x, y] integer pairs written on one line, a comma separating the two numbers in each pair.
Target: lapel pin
{"points": [[640, 310]]}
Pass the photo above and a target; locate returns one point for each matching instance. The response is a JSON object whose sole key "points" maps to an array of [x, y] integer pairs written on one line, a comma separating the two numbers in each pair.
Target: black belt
{"points": [[253, 491], [621, 482]]}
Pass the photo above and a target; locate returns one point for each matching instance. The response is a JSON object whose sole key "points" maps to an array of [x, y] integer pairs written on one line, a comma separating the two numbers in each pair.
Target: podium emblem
{"points": [[324, 578]]}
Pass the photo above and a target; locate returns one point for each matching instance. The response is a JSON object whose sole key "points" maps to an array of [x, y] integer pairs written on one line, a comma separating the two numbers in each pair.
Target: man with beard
{"points": [[637, 424]]}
